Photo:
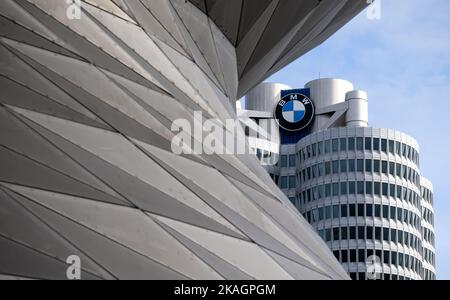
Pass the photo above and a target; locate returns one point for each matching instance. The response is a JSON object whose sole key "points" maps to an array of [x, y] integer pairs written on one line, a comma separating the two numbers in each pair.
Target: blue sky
{"points": [[403, 62]]}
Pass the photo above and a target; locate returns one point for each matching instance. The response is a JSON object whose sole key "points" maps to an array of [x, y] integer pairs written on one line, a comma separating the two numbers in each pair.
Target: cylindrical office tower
{"points": [[265, 96], [360, 188], [326, 92], [429, 251], [88, 166], [265, 139]]}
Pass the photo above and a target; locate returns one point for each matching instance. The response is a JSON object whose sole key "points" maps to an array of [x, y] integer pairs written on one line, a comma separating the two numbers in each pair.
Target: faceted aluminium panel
{"points": [[86, 106]]}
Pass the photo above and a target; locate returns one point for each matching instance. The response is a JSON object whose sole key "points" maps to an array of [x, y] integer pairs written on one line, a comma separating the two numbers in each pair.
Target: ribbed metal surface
{"points": [[86, 164]]}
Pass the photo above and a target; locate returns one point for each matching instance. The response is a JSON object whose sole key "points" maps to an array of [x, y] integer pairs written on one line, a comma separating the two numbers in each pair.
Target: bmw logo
{"points": [[294, 112]]}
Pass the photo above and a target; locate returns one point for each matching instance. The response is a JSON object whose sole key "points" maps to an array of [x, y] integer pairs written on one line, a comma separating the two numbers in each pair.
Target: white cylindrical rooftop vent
{"points": [[265, 96], [358, 109], [328, 91]]}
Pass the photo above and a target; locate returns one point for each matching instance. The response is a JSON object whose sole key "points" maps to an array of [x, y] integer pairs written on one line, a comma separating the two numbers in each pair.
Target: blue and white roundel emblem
{"points": [[294, 112]]}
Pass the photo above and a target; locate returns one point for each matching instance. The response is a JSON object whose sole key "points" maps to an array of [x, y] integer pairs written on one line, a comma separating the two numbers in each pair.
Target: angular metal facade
{"points": [[86, 168]]}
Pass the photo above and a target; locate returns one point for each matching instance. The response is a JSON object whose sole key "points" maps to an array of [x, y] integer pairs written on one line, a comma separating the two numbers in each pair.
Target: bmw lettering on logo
{"points": [[294, 112]]}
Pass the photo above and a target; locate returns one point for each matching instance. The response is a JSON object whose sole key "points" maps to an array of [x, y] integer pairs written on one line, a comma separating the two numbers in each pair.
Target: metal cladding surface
{"points": [[269, 34], [86, 108]]}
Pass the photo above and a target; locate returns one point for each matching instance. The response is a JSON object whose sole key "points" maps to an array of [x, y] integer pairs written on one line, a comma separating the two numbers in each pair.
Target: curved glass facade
{"points": [[429, 251], [360, 188]]}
